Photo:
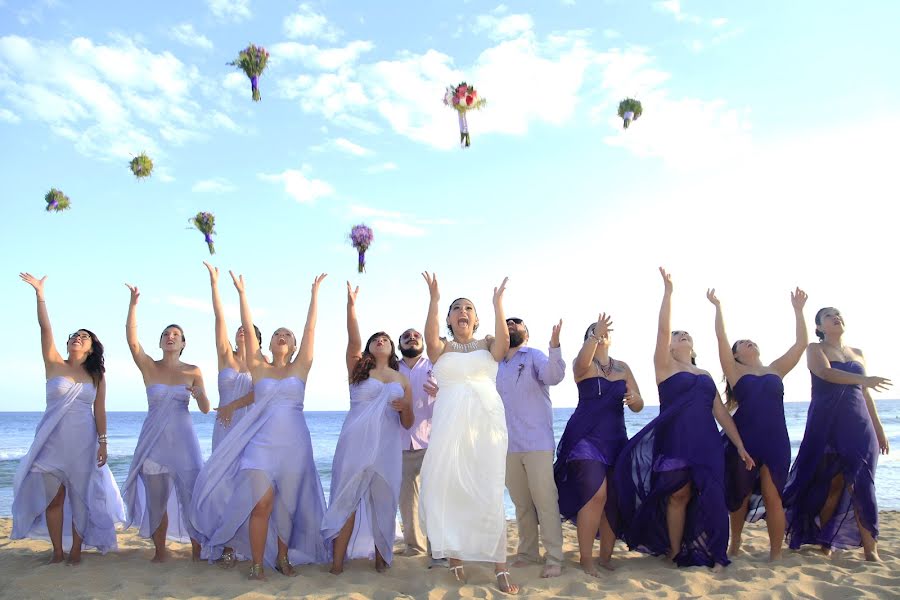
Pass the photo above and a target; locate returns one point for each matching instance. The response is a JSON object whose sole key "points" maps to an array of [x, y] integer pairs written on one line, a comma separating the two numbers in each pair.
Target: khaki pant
{"points": [[529, 479], [409, 502]]}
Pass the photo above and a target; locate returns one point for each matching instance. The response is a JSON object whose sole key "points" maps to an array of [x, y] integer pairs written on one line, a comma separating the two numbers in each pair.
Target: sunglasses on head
{"points": [[515, 320]]}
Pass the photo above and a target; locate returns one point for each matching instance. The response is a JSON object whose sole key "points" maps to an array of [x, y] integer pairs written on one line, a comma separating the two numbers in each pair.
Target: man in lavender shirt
{"points": [[523, 381], [417, 368]]}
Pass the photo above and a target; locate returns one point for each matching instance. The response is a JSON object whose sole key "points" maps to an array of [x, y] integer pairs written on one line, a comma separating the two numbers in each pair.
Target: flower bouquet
{"points": [[56, 201], [361, 237], [141, 165], [629, 110], [252, 60], [205, 221], [463, 98]]}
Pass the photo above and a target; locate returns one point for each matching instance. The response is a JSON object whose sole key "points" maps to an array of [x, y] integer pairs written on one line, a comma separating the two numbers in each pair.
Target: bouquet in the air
{"points": [[361, 237], [205, 222], [629, 110], [463, 98], [141, 165], [56, 201], [252, 60]]}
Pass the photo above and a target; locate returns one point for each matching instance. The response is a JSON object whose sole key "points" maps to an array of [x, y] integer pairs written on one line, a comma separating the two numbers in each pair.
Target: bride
{"points": [[461, 502]]}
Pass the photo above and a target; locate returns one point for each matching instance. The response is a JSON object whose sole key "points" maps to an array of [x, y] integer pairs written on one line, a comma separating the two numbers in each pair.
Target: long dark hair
{"points": [[183, 339], [731, 401], [367, 361], [94, 363]]}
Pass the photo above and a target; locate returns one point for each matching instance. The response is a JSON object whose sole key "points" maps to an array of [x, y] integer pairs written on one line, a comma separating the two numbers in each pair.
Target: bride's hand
{"points": [[498, 292], [431, 280]]}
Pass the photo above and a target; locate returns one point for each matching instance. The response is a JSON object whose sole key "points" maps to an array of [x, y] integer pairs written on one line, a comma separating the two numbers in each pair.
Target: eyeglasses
{"points": [[81, 336], [409, 336]]}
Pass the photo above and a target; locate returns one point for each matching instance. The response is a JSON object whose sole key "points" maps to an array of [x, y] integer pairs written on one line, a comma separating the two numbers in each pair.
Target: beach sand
{"points": [[129, 574]]}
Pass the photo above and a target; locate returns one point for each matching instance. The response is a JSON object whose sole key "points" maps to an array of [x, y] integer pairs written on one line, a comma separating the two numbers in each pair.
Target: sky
{"points": [[765, 159]]}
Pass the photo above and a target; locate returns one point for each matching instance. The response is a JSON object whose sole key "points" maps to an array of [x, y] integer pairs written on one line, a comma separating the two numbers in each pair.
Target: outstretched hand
{"points": [[135, 293], [431, 280], [667, 280], [37, 284], [498, 292], [319, 279], [351, 294], [603, 325], [711, 296], [554, 335], [213, 272], [798, 299], [238, 282], [879, 384]]}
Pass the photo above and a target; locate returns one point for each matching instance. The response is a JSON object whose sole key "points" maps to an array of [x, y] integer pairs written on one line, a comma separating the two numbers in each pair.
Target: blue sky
{"points": [[763, 161]]}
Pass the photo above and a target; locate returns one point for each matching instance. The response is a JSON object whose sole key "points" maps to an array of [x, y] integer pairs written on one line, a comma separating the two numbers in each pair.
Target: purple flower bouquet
{"points": [[252, 60], [205, 222], [361, 237]]}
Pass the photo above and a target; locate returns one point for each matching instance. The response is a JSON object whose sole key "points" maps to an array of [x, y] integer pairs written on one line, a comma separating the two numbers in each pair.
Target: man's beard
{"points": [[516, 339], [411, 352]]}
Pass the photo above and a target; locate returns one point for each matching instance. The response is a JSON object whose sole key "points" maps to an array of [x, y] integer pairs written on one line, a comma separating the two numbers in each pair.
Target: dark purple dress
{"points": [[588, 448], [760, 421], [681, 445], [839, 439]]}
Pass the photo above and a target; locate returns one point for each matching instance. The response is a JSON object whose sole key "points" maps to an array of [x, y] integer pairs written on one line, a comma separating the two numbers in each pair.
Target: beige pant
{"points": [[409, 502], [529, 479]]}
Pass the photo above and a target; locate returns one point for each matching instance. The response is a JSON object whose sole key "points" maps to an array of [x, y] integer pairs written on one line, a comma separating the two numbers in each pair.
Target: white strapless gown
{"points": [[464, 470]]}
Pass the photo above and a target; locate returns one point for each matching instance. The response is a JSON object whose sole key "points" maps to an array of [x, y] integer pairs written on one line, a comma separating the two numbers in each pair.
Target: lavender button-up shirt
{"points": [[523, 382], [416, 437]]}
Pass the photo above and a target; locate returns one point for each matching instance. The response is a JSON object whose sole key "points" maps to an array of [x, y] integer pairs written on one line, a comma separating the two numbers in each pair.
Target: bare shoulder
{"points": [[621, 366]]}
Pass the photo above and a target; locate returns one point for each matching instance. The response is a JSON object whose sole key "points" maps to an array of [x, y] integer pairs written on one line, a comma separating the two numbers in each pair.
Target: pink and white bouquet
{"points": [[361, 237], [252, 60], [463, 98]]}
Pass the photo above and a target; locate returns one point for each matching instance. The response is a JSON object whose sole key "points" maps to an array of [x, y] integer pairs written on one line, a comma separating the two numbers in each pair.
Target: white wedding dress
{"points": [[464, 470]]}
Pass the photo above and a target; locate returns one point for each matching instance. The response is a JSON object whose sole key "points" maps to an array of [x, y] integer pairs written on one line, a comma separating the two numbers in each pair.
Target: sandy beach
{"points": [[129, 574]]}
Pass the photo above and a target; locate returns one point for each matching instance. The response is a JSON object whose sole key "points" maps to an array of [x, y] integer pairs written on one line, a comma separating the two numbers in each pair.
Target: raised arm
{"points": [[820, 366], [582, 367], [552, 370], [500, 343], [726, 356], [100, 421], [304, 359], [141, 358], [48, 348], [354, 340], [662, 359], [434, 345], [254, 357], [724, 418], [223, 344], [789, 360]]}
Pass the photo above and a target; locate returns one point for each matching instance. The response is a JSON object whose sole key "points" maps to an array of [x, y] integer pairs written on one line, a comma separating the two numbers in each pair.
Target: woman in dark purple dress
{"points": [[757, 392], [830, 494], [669, 478], [594, 436]]}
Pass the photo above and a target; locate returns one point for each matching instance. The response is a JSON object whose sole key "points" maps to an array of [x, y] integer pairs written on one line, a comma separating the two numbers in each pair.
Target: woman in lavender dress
{"points": [[62, 484], [260, 492], [167, 458], [757, 392], [830, 494], [591, 442], [366, 471], [669, 478]]}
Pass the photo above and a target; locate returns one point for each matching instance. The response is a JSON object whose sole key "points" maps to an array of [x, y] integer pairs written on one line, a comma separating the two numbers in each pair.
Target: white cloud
{"points": [[382, 168], [217, 185], [349, 147], [327, 59], [503, 27], [230, 10], [9, 116], [187, 35], [397, 223], [611, 34], [397, 228], [111, 100], [307, 23], [298, 186], [673, 7]]}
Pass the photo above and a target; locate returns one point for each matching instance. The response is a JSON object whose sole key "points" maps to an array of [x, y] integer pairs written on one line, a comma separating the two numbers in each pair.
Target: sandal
{"points": [[227, 560], [459, 573], [256, 572], [284, 566], [510, 588]]}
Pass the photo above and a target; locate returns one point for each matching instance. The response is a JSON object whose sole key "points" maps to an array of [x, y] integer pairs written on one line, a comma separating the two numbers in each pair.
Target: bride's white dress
{"points": [[463, 473]]}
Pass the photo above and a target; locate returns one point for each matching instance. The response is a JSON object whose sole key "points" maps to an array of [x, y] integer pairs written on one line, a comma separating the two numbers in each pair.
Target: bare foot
{"points": [[74, 558], [776, 555], [735, 549], [521, 562], [504, 584], [826, 550], [195, 551], [872, 556], [606, 564], [336, 570], [589, 568], [380, 564], [551, 571], [717, 568], [56, 558], [160, 556]]}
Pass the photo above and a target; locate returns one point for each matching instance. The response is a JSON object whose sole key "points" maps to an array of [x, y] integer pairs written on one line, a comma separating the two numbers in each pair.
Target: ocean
{"points": [[17, 432]]}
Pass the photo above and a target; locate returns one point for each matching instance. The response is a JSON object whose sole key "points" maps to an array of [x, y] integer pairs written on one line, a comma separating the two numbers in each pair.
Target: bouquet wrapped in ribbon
{"points": [[252, 60], [463, 98], [141, 165], [205, 222], [56, 201], [361, 237], [629, 110]]}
